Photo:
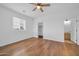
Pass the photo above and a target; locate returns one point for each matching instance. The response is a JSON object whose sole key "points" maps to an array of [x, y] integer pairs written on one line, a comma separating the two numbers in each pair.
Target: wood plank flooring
{"points": [[39, 47]]}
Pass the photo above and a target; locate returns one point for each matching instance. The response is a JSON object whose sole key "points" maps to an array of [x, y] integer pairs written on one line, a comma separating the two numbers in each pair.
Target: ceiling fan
{"points": [[40, 6]]}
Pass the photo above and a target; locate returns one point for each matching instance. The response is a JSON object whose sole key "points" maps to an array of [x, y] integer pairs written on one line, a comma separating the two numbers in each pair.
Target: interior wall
{"points": [[77, 30], [67, 28], [53, 27], [7, 33]]}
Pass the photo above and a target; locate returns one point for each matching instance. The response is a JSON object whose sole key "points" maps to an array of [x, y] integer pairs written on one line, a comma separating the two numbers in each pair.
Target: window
{"points": [[19, 24]]}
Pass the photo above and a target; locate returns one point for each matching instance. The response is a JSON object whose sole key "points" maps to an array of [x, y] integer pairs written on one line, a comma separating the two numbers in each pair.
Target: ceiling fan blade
{"points": [[34, 9], [45, 4], [41, 9], [34, 4]]}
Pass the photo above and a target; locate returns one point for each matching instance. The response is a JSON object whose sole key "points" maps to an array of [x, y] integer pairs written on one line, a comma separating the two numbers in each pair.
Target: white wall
{"points": [[53, 27], [77, 30], [7, 33], [67, 27]]}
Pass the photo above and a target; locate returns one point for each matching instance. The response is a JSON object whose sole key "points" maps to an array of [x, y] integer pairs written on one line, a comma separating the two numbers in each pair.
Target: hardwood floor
{"points": [[39, 47], [69, 41]]}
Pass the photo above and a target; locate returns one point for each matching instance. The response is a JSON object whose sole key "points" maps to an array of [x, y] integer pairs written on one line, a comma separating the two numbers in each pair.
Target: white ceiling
{"points": [[55, 8]]}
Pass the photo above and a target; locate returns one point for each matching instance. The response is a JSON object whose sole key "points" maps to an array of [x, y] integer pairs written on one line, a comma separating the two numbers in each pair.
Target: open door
{"points": [[74, 30]]}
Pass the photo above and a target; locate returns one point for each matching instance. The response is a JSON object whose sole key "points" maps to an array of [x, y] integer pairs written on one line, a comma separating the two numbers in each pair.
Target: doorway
{"points": [[70, 31], [40, 30]]}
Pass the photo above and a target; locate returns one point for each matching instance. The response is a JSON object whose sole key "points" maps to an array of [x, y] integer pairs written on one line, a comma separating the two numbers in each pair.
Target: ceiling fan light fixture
{"points": [[38, 7]]}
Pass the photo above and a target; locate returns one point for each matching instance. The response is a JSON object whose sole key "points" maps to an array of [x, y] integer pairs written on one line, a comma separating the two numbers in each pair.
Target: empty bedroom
{"points": [[39, 29]]}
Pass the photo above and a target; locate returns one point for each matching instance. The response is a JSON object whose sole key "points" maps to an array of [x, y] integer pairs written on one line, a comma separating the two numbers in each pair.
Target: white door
{"points": [[73, 30]]}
